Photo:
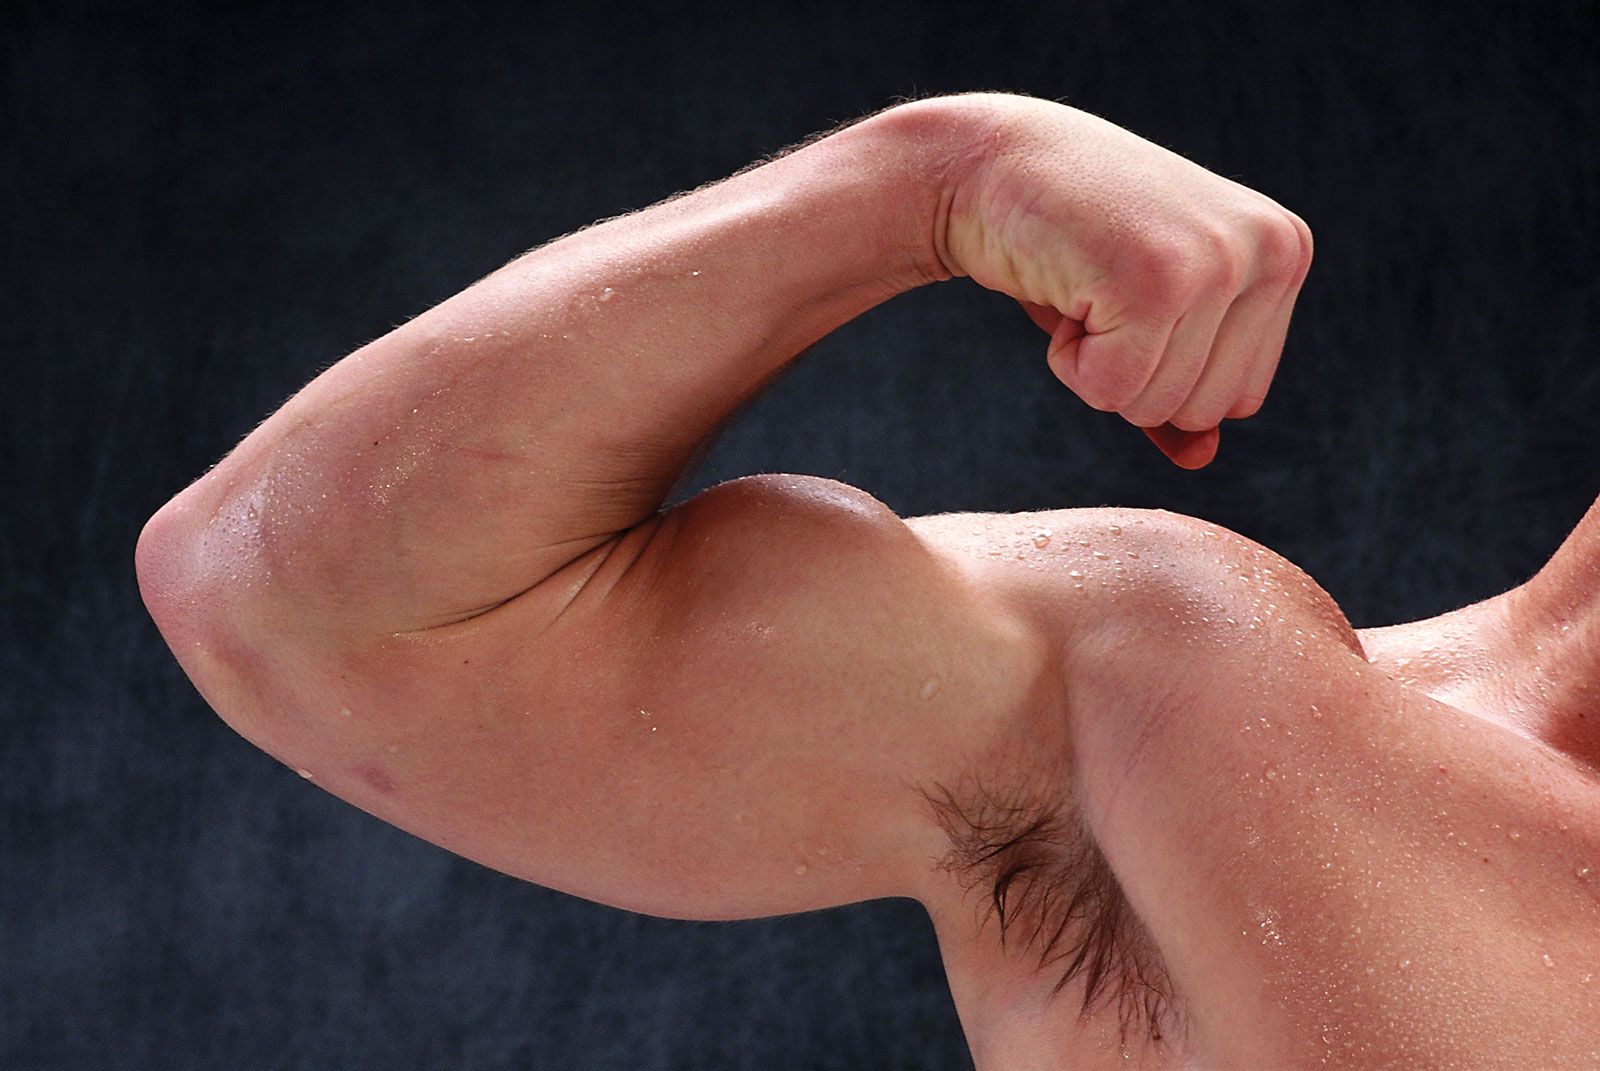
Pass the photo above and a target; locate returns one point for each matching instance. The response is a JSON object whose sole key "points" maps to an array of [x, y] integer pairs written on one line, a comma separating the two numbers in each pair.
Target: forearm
{"points": [[471, 452]]}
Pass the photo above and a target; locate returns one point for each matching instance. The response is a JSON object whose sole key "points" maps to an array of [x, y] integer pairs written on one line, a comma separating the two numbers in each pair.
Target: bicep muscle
{"points": [[724, 712]]}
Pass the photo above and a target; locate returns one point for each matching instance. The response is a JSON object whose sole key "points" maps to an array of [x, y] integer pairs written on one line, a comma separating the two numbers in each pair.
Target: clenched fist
{"points": [[1166, 289]]}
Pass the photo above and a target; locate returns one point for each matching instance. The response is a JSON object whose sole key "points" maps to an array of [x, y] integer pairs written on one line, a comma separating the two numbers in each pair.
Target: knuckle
{"points": [[1285, 248], [1220, 255], [1302, 232], [1275, 235], [1172, 271], [1279, 272], [1219, 243], [1209, 260], [1230, 273], [1225, 263], [1277, 248]]}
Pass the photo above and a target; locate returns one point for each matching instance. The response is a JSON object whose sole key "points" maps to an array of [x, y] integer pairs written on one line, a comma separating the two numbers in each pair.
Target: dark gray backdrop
{"points": [[203, 207]]}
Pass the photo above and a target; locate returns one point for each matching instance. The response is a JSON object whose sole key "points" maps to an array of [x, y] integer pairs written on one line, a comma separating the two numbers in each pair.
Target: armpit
{"points": [[1024, 851]]}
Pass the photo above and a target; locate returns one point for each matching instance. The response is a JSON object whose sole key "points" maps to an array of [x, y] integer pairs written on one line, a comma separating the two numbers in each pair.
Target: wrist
{"points": [[938, 145]]}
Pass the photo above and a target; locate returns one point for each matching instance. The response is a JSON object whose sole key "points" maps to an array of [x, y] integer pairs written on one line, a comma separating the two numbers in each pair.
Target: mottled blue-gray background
{"points": [[204, 206]]}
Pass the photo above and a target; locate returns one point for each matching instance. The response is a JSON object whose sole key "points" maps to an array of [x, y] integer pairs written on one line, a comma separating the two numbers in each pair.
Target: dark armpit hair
{"points": [[1055, 896]]}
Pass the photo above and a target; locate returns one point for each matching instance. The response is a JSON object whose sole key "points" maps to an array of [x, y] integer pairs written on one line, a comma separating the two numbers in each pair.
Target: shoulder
{"points": [[1269, 798]]}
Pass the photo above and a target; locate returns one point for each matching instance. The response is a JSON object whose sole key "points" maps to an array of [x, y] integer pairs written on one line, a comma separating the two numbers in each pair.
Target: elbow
{"points": [[185, 581], [212, 628], [163, 569], [201, 558]]}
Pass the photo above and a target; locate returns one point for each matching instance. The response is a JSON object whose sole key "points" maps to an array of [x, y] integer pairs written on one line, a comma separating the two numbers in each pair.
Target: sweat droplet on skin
{"points": [[929, 689], [1041, 538], [307, 774], [801, 869]]}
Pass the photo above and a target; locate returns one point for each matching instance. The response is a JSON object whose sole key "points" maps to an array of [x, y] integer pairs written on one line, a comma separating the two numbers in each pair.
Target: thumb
{"points": [[1062, 353]]}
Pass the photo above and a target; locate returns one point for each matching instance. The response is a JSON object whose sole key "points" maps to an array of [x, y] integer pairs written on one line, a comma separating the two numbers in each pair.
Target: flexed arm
{"points": [[470, 453], [438, 582], [467, 455]]}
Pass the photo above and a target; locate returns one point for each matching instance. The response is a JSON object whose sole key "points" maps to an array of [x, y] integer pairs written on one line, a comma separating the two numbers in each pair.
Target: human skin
{"points": [[438, 582]]}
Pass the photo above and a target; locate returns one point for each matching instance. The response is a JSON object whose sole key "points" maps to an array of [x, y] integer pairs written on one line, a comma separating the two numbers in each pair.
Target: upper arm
{"points": [[725, 711]]}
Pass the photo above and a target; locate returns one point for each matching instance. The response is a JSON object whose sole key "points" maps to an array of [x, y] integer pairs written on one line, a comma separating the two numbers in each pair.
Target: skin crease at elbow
{"points": [[1162, 803]]}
